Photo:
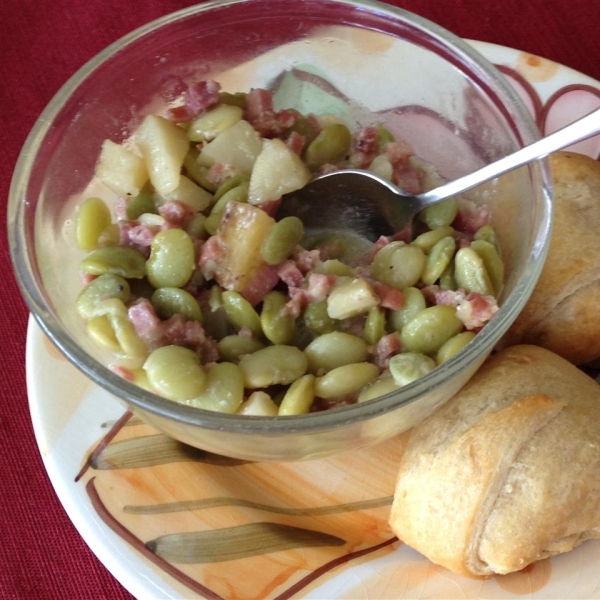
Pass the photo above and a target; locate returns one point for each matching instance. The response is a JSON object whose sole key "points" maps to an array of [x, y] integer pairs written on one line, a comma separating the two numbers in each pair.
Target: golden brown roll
{"points": [[563, 313], [508, 471]]}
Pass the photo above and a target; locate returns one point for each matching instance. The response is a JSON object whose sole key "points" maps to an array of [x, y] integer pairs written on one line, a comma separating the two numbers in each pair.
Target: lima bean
{"points": [[438, 260], [224, 391], [426, 241], [232, 347], [399, 265], [259, 404], [439, 215], [169, 301], [101, 331], [299, 397], [273, 365], [379, 387], [140, 204], [345, 380], [332, 143], [123, 261], [470, 272], [317, 319], [172, 259], [414, 303], [335, 349], [278, 327], [492, 262], [240, 313], [374, 325], [407, 367], [452, 346], [281, 240], [106, 286], [175, 373], [429, 329], [333, 266], [93, 217]]}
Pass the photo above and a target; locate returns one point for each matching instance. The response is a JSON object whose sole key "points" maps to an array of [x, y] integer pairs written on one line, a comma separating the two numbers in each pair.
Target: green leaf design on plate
{"points": [[234, 543], [215, 502], [151, 450], [300, 89]]}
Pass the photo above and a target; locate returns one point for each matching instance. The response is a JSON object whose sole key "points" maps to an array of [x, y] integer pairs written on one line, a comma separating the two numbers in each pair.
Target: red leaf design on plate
{"points": [[565, 106]]}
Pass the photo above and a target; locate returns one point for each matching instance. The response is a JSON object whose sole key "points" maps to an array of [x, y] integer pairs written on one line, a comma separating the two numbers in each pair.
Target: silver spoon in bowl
{"points": [[364, 203]]}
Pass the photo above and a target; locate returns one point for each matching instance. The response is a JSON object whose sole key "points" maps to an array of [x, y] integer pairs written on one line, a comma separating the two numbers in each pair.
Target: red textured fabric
{"points": [[42, 43]]}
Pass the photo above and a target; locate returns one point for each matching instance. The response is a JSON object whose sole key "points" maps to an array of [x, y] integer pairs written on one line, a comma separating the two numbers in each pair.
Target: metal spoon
{"points": [[366, 204]]}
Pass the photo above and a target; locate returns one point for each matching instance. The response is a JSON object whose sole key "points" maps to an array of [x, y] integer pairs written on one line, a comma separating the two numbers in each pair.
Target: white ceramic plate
{"points": [[172, 523]]}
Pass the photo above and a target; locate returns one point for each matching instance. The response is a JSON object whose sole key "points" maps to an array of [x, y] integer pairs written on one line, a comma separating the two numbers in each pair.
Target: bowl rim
{"points": [[139, 398]]}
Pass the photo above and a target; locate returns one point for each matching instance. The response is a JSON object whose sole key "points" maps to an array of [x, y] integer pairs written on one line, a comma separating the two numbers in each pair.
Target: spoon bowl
{"points": [[362, 202]]}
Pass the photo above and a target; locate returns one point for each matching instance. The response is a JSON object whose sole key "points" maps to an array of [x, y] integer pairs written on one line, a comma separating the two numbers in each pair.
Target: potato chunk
{"points": [[242, 231], [163, 146], [120, 169], [277, 171], [351, 298], [237, 147]]}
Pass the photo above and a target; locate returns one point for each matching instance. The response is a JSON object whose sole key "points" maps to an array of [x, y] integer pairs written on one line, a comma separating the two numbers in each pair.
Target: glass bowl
{"points": [[344, 57]]}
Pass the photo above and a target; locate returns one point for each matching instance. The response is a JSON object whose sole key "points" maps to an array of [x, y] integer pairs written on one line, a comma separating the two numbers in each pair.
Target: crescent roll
{"points": [[563, 313], [508, 471]]}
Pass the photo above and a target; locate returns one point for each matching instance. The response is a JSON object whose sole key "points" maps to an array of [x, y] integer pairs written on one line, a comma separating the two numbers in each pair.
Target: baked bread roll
{"points": [[563, 313], [508, 471]]}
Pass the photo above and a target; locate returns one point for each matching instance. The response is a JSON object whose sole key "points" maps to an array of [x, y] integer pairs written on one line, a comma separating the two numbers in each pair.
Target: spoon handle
{"points": [[577, 131]]}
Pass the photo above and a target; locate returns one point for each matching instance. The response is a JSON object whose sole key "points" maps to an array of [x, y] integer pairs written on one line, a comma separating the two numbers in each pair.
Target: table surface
{"points": [[42, 43]]}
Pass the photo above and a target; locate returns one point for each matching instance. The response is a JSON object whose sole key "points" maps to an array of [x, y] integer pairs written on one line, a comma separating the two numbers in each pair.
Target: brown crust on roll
{"points": [[563, 313], [508, 471]]}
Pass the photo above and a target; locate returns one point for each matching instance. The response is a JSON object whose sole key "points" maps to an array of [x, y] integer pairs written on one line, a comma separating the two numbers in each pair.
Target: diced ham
{"points": [[261, 284], [290, 274], [385, 348], [390, 297], [270, 207], [146, 322], [174, 330], [327, 168], [381, 242], [198, 98], [122, 372], [261, 115], [476, 310], [211, 254], [329, 250], [87, 278], [245, 332], [220, 172], [295, 142], [296, 304], [429, 292], [404, 235], [121, 208], [314, 122], [450, 297], [175, 213], [405, 175], [470, 217], [363, 147], [306, 260], [178, 114], [141, 235], [319, 286]]}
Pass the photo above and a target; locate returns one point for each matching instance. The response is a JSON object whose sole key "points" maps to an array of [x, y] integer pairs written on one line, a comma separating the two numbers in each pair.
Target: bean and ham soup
{"points": [[206, 298]]}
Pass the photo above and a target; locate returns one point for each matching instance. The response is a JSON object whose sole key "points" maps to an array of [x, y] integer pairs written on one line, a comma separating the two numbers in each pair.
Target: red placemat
{"points": [[42, 43]]}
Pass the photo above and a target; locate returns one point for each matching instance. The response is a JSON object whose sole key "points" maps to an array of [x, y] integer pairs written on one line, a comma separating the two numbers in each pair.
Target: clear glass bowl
{"points": [[360, 58]]}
